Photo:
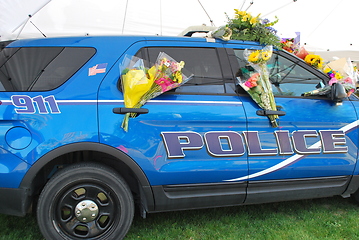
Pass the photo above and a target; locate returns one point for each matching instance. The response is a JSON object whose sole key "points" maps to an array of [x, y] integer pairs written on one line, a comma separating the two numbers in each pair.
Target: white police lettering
{"points": [[230, 143], [215, 147], [176, 142]]}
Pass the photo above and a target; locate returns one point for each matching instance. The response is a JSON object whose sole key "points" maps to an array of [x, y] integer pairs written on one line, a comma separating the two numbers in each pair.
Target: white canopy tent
{"points": [[15, 14], [323, 24]]}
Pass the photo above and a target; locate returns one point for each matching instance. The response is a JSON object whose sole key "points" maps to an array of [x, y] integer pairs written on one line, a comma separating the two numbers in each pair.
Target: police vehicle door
{"points": [[313, 152], [185, 144]]}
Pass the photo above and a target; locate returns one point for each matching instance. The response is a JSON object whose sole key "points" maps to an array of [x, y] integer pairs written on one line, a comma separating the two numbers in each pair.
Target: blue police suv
{"points": [[204, 144]]}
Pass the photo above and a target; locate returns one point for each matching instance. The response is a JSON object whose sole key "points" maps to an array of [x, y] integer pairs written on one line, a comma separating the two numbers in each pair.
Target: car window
{"points": [[287, 77], [40, 68], [203, 63]]}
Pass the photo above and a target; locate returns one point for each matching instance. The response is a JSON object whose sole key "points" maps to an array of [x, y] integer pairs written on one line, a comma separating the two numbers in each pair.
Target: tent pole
{"points": [[124, 17], [23, 26]]}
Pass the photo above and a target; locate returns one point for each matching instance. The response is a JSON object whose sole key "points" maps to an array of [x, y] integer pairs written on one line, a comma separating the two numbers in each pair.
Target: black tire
{"points": [[85, 201], [355, 197]]}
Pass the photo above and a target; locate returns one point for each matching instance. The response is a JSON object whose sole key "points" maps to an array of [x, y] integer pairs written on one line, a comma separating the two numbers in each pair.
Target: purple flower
{"points": [[265, 21], [271, 30]]}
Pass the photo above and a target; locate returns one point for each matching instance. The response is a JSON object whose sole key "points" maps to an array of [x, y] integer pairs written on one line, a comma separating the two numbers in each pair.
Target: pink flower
{"points": [[164, 83], [348, 80], [252, 81], [249, 84], [332, 81], [350, 92], [174, 67]]}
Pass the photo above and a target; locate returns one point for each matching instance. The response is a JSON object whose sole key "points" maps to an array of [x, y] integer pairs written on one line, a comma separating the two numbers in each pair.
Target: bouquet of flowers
{"points": [[313, 60], [246, 27], [340, 71], [140, 84], [258, 85], [289, 45]]}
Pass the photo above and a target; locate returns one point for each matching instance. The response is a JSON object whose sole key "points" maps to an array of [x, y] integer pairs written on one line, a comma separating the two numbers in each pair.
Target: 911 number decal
{"points": [[27, 105]]}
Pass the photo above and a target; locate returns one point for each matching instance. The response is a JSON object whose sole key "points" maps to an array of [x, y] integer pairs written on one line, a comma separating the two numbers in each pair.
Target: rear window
{"points": [[203, 63], [40, 68]]}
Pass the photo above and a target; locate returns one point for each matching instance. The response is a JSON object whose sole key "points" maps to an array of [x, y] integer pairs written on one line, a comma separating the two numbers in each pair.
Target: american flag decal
{"points": [[98, 68]]}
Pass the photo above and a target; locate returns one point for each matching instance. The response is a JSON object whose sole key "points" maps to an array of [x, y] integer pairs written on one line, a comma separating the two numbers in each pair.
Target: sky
{"points": [[323, 24]]}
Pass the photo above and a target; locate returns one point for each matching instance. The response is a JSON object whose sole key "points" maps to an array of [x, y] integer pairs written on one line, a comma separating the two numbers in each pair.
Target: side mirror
{"points": [[338, 93]]}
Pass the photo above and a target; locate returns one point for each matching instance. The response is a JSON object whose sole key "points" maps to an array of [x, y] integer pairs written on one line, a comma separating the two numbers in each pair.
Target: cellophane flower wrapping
{"points": [[258, 85], [140, 84], [302, 53]]}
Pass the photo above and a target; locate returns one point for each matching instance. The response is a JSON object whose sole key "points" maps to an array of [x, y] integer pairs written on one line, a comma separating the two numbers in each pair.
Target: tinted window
{"points": [[287, 77], [203, 63], [40, 68]]}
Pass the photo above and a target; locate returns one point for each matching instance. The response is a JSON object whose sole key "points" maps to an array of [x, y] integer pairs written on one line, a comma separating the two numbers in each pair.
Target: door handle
{"points": [[123, 110], [263, 112]]}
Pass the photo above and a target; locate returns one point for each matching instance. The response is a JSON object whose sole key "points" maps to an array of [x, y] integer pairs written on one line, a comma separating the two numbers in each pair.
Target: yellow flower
{"points": [[178, 77], [314, 60], [254, 57], [245, 17], [309, 58], [254, 20], [326, 70], [338, 76], [320, 62], [266, 56], [241, 13]]}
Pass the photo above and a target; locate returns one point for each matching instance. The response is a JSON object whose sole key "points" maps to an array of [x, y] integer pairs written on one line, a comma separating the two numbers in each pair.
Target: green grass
{"points": [[328, 218]]}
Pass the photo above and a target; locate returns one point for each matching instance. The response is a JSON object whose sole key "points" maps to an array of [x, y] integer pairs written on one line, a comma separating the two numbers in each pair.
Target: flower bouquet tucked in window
{"points": [[340, 71], [258, 85], [140, 84]]}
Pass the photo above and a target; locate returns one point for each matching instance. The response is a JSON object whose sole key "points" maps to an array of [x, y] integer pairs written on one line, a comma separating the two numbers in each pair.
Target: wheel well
{"points": [[55, 165]]}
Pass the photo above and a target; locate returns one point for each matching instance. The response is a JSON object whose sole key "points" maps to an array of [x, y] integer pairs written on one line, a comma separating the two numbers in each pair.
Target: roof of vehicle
{"points": [[97, 41]]}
